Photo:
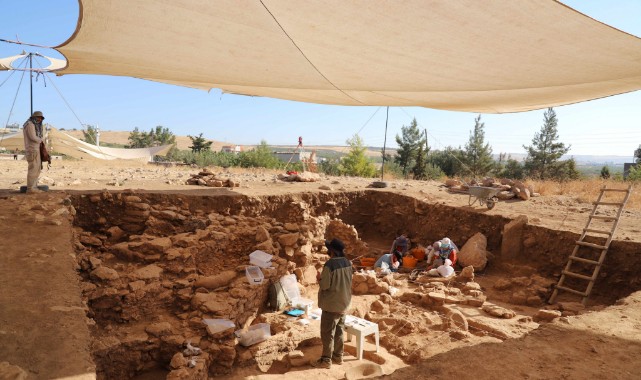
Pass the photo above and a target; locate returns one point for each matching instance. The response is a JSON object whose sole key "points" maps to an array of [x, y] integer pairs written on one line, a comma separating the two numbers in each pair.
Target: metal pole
{"points": [[384, 143], [31, 81], [426, 147]]}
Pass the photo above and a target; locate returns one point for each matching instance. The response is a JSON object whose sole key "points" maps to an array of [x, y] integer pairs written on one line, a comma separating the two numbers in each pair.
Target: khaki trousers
{"points": [[33, 171], [332, 325]]}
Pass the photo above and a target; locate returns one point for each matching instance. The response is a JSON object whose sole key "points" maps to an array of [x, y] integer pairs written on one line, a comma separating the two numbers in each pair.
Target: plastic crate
{"points": [[261, 259], [254, 275]]}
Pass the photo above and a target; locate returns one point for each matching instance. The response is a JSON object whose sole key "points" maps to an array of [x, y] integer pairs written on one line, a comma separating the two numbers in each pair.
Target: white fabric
{"points": [[55, 64], [445, 270], [60, 142], [465, 55]]}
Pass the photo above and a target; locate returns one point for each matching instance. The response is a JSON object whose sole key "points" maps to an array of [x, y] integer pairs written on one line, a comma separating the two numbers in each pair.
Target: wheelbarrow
{"points": [[484, 195]]}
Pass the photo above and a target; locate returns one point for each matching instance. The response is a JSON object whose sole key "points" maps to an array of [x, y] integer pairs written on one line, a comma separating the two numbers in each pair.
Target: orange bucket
{"points": [[409, 262], [367, 261], [418, 253]]}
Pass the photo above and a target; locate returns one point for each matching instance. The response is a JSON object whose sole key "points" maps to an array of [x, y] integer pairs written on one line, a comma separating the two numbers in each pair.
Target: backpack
{"points": [[276, 298]]}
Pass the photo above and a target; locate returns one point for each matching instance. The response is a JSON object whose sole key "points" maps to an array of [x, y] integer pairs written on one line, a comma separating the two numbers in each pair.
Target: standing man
{"points": [[334, 298], [32, 132]]}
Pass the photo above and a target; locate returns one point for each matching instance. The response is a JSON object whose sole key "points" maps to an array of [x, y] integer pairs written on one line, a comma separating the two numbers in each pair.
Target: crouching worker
{"points": [[390, 261], [444, 270], [334, 298], [440, 251], [401, 244]]}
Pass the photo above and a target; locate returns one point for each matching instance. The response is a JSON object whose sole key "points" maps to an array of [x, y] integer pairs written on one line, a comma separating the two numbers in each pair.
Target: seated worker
{"points": [[444, 270], [401, 244], [442, 250], [391, 261]]}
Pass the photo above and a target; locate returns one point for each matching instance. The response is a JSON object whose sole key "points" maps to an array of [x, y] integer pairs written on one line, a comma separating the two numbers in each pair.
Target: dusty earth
{"points": [[45, 332]]}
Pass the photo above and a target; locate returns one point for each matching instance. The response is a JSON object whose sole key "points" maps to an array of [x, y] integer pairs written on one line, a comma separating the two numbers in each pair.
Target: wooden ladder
{"points": [[595, 264]]}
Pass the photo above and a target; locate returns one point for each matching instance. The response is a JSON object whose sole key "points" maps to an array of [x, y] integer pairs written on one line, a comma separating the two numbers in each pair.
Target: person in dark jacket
{"points": [[334, 298]]}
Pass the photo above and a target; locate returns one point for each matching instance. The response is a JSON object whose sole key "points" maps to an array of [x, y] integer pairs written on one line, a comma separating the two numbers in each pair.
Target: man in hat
{"points": [[32, 132], [334, 298], [442, 250]]}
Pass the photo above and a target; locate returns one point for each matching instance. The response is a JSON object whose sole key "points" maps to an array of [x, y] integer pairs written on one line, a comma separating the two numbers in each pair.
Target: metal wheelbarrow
{"points": [[484, 195]]}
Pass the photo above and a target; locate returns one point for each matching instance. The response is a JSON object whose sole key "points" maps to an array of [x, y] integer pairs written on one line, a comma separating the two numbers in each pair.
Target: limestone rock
{"points": [[288, 240], [474, 252], [178, 361], [217, 281], [547, 315], [150, 272], [104, 273], [467, 274], [262, 234], [159, 329], [499, 312], [297, 358]]}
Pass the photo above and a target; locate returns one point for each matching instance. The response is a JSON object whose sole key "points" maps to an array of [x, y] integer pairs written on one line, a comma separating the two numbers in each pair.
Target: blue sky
{"points": [[607, 126]]}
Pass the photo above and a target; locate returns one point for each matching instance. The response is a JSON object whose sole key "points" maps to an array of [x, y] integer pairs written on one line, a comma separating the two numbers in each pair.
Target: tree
{"points": [[260, 157], [477, 155], [408, 144], [637, 155], [356, 163], [199, 144], [90, 134], [605, 172], [419, 170], [544, 153], [155, 137], [447, 160], [634, 174], [513, 169]]}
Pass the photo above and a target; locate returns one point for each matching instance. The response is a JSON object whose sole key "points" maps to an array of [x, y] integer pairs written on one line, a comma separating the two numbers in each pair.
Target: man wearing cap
{"points": [[334, 298], [32, 132]]}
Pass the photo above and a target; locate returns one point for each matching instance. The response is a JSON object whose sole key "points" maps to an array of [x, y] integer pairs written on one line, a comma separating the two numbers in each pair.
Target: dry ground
{"points": [[34, 256]]}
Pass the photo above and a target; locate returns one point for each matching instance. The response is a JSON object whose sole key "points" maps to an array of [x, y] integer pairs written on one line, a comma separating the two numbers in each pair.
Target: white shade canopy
{"points": [[465, 55]]}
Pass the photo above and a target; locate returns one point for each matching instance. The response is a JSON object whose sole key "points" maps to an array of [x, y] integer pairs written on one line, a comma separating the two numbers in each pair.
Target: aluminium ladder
{"points": [[590, 262]]}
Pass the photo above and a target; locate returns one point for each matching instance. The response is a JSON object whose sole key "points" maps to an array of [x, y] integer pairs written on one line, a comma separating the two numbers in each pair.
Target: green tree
{"points": [[420, 165], [512, 169], [477, 155], [637, 155], [155, 137], [635, 173], [199, 143], [564, 170], [447, 160], [90, 134], [260, 157], [605, 172], [545, 152], [408, 144], [356, 162]]}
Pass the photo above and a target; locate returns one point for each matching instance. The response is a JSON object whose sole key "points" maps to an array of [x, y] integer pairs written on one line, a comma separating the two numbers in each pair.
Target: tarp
{"points": [[8, 63], [60, 142], [465, 55]]}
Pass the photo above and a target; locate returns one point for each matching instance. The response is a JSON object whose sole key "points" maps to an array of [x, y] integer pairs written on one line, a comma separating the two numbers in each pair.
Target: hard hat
{"points": [[38, 114]]}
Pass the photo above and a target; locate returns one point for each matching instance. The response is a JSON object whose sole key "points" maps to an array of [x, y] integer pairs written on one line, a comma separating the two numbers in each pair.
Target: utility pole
{"points": [[384, 143]]}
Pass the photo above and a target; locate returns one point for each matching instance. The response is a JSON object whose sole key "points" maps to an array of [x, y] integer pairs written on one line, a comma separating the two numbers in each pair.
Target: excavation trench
{"points": [[154, 265]]}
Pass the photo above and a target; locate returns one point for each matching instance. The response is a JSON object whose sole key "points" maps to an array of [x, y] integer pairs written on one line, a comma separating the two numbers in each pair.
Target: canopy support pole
{"points": [[384, 143]]}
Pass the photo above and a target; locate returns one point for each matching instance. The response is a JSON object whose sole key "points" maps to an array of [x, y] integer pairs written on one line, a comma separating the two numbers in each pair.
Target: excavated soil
{"points": [[117, 282]]}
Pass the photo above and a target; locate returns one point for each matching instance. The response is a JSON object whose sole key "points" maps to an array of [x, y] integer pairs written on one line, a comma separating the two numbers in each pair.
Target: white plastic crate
{"points": [[290, 287], [254, 334], [261, 259], [254, 275]]}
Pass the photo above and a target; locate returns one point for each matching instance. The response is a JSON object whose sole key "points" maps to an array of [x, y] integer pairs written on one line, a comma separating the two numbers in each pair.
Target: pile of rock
{"points": [[509, 188], [207, 178], [155, 270]]}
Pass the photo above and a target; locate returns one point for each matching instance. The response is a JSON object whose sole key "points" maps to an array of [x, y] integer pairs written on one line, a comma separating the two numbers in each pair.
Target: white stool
{"points": [[360, 328]]}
